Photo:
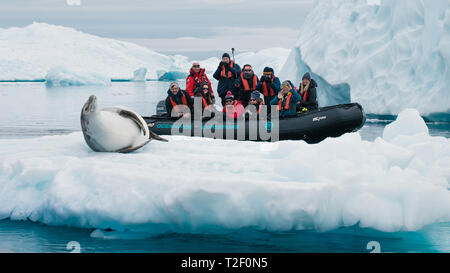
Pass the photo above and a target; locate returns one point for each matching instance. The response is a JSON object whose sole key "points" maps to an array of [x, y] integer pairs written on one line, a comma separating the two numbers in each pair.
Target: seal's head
{"points": [[90, 106]]}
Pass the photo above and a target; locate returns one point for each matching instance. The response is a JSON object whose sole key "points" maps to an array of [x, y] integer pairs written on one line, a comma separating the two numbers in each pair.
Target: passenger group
{"points": [[238, 88]]}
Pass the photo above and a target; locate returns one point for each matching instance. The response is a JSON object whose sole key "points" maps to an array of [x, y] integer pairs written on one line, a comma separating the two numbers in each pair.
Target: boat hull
{"points": [[312, 127]]}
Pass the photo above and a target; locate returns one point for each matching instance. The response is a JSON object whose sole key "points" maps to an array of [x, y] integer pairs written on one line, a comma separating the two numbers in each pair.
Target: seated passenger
{"points": [[308, 92], [177, 97], [269, 85], [246, 84], [197, 77], [255, 99], [286, 100], [232, 107], [205, 94]]}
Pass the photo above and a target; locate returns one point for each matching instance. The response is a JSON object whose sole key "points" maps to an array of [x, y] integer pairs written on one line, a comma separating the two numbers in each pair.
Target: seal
{"points": [[114, 129]]}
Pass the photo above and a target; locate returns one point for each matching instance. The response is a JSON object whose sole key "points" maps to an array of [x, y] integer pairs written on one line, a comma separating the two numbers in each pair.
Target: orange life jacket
{"points": [[305, 95], [175, 105], [259, 108], [266, 91], [224, 74], [204, 101], [246, 85], [287, 103]]}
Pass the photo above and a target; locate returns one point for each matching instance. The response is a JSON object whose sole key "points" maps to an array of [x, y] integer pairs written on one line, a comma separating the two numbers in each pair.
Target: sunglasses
{"points": [[247, 70], [229, 101], [252, 99], [196, 66]]}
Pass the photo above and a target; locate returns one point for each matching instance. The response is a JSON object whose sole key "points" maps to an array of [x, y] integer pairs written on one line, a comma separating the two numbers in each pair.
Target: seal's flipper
{"points": [[130, 149], [157, 137], [131, 115]]}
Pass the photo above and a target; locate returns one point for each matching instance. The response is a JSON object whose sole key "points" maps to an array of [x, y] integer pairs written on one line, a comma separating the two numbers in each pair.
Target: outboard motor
{"points": [[161, 108]]}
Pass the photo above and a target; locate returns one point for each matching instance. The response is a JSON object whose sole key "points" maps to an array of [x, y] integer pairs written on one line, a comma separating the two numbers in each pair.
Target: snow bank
{"points": [[397, 183], [393, 54], [29, 53], [61, 76]]}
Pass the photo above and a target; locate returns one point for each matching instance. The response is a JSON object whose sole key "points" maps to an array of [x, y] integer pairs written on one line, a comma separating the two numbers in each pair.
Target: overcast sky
{"points": [[165, 19]]}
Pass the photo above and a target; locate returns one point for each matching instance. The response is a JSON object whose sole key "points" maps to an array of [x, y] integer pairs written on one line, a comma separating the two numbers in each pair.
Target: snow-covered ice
{"points": [[43, 51], [28, 53], [399, 182], [393, 54]]}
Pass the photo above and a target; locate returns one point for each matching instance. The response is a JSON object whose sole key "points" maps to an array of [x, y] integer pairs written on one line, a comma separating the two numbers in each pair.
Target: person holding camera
{"points": [[308, 91], [286, 100], [246, 84], [227, 72], [269, 85]]}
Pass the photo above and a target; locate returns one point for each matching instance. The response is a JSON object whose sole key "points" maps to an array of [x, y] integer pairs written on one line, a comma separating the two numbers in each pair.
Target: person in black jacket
{"points": [[246, 84], [269, 86], [179, 101], [308, 91], [227, 72]]}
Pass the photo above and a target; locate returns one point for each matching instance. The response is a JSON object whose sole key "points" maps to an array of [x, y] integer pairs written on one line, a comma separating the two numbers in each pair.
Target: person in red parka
{"points": [[196, 77]]}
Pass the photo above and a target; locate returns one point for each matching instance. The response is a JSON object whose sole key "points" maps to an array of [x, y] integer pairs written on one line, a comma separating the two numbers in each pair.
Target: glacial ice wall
{"points": [[393, 54]]}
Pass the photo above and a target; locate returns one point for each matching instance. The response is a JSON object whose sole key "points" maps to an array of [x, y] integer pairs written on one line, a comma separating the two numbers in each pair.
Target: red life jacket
{"points": [[175, 105], [199, 77], [266, 91], [246, 85], [228, 75], [287, 103], [236, 111]]}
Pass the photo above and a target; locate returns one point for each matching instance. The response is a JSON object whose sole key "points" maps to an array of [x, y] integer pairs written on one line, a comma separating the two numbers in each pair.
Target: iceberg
{"points": [[30, 52], [392, 54], [396, 183], [61, 76], [173, 76], [140, 75]]}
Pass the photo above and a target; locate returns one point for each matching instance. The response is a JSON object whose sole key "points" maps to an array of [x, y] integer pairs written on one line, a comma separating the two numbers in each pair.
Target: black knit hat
{"points": [[268, 69], [307, 76], [226, 55]]}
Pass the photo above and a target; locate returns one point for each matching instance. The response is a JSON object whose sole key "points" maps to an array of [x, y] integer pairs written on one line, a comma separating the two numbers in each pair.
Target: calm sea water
{"points": [[32, 110]]}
